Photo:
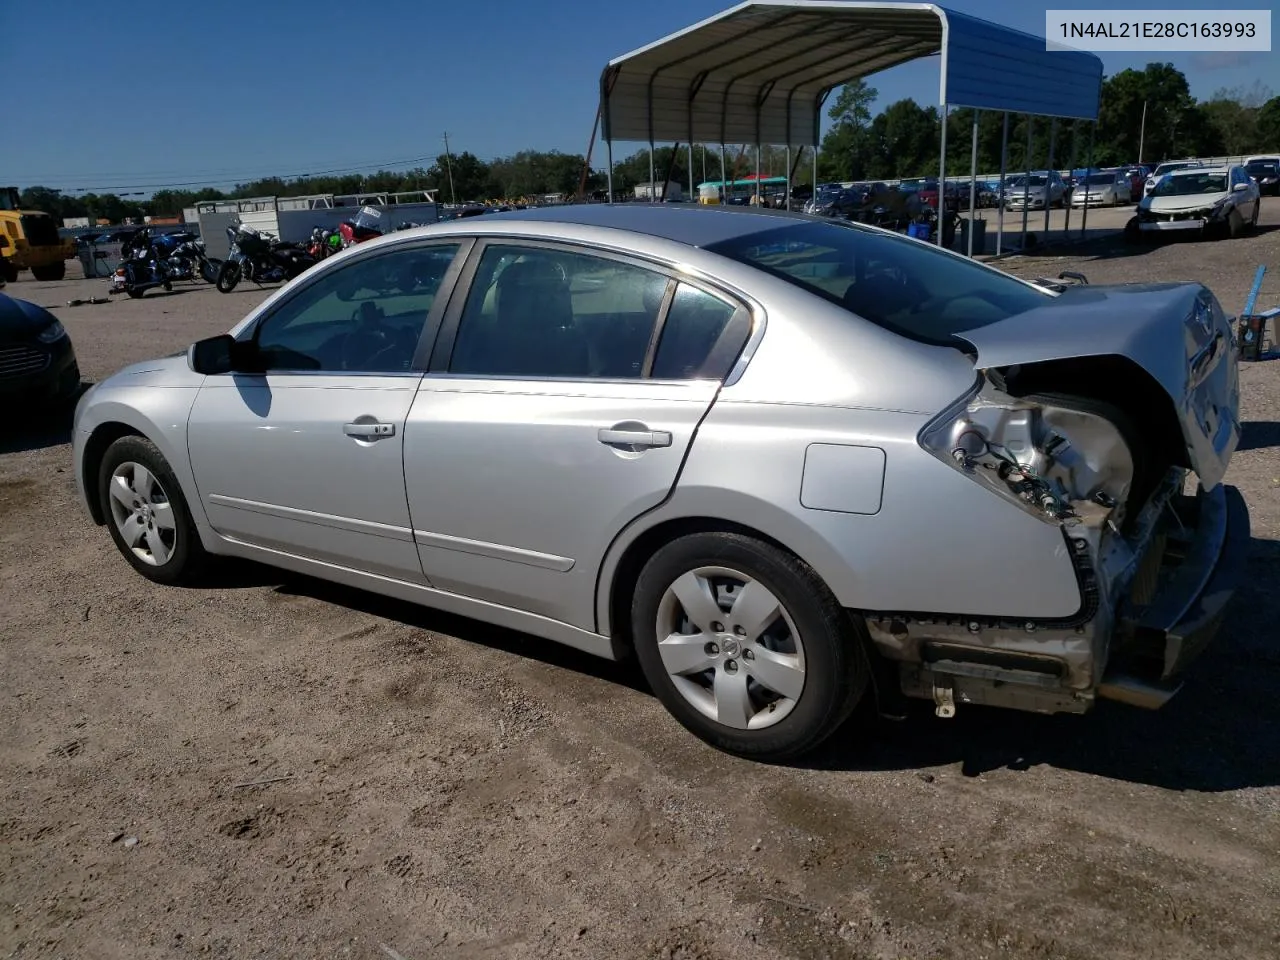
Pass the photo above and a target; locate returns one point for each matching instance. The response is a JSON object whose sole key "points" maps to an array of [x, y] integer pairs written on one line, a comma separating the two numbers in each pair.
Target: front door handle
{"points": [[634, 438], [369, 431]]}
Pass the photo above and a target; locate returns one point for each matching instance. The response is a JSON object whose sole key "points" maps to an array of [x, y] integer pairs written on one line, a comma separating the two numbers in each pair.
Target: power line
{"points": [[336, 171]]}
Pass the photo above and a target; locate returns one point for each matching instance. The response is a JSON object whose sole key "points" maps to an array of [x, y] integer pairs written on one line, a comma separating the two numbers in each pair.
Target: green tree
{"points": [[846, 152], [1268, 125], [1167, 98]]}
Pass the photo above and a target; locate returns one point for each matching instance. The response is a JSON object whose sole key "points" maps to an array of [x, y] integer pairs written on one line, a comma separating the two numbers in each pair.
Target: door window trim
{"points": [[431, 325], [442, 354]]}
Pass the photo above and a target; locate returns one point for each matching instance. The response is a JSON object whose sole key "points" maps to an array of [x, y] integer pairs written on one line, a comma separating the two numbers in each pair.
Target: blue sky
{"points": [[159, 92]]}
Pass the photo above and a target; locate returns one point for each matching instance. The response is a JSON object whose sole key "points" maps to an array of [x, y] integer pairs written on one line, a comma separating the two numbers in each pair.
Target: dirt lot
{"points": [[458, 791]]}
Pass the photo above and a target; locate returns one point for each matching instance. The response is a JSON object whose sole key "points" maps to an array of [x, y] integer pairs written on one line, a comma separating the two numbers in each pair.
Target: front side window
{"points": [[539, 312], [903, 285], [366, 316]]}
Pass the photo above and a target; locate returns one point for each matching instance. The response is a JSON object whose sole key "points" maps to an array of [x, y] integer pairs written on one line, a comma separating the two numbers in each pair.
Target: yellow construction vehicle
{"points": [[33, 241]]}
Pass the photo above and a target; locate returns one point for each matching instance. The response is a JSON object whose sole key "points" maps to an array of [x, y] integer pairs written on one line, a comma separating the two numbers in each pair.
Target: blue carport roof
{"points": [[759, 72]]}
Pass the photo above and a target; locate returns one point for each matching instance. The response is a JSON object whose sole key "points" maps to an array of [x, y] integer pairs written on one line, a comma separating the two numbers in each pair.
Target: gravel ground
{"points": [[458, 791]]}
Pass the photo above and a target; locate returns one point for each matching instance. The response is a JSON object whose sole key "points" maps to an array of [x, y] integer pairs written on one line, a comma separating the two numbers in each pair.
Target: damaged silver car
{"points": [[781, 463]]}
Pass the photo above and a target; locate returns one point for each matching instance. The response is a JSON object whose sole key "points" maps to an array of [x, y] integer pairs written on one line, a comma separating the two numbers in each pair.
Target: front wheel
{"points": [[147, 512], [228, 276], [1235, 224], [209, 270], [50, 271], [746, 646]]}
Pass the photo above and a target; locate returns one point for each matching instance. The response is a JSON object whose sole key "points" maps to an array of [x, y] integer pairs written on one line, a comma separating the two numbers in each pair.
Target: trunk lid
{"points": [[1177, 332]]}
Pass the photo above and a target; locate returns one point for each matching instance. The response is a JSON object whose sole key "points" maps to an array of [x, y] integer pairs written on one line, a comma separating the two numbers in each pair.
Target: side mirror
{"points": [[220, 354], [1240, 186]]}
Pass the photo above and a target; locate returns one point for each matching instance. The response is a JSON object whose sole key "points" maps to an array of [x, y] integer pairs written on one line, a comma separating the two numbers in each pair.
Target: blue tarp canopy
{"points": [[759, 72]]}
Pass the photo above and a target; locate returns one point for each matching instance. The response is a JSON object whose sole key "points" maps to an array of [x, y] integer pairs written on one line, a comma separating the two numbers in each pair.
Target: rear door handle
{"points": [[635, 438], [369, 431]]}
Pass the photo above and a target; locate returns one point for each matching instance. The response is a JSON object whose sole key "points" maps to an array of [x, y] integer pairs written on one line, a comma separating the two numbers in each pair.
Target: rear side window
{"points": [[906, 286], [701, 338]]}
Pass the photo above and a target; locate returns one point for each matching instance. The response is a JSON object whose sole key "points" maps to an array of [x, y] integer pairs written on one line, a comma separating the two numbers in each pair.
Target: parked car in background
{"points": [[1137, 175], [1043, 188], [1165, 168], [1219, 201], [781, 459], [37, 360], [1265, 172], [1107, 188]]}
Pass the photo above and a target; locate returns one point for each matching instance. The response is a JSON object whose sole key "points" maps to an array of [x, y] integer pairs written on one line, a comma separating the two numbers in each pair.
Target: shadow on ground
{"points": [[42, 427], [1259, 435], [1221, 732]]}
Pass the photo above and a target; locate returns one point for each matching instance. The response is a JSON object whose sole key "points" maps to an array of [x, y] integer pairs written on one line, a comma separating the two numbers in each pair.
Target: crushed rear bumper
{"points": [[1200, 574]]}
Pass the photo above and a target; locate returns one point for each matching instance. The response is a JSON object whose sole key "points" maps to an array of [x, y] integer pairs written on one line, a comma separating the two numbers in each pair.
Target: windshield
{"points": [[1262, 168], [1167, 167], [1189, 184], [1035, 180], [903, 285], [1101, 178]]}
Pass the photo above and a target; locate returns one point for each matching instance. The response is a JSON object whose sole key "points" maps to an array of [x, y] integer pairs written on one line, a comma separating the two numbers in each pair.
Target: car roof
{"points": [[695, 225]]}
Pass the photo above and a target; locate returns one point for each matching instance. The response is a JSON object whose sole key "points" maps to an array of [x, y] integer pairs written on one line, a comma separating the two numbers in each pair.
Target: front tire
{"points": [[50, 271], [1235, 224], [228, 276], [746, 646], [147, 513]]}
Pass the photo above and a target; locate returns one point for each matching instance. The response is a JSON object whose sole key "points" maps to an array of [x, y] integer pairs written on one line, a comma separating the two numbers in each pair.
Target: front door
{"points": [[306, 456], [563, 396]]}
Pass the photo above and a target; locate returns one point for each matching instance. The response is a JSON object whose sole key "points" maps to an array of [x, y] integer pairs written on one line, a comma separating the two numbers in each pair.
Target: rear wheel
{"points": [[137, 293], [9, 271], [1257, 211], [746, 646], [228, 276], [50, 271], [147, 513], [1235, 224]]}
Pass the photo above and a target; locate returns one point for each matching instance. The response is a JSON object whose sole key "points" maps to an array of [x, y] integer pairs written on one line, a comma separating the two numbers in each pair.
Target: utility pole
{"points": [[1142, 131], [448, 163]]}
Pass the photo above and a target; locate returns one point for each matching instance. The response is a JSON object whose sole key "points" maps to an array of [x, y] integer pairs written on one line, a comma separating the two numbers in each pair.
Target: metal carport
{"points": [[760, 72]]}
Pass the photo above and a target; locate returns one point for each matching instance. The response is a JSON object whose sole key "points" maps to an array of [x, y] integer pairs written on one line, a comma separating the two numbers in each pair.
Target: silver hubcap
{"points": [[730, 648], [142, 513]]}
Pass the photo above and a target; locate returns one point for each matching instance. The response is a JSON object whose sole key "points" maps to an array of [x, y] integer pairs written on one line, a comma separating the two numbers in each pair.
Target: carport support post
{"points": [[1004, 162], [942, 174], [815, 173], [1084, 219], [757, 173], [724, 182], [1026, 184], [692, 197], [1048, 169], [1075, 142], [787, 201], [652, 175], [973, 183], [608, 153]]}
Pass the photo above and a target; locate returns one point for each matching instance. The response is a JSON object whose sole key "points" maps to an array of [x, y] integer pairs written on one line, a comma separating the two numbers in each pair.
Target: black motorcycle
{"points": [[189, 258], [260, 258]]}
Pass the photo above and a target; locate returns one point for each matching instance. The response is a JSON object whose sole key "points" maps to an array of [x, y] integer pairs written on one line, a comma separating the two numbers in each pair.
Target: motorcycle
{"points": [[190, 259], [324, 242], [143, 267], [261, 258], [366, 226]]}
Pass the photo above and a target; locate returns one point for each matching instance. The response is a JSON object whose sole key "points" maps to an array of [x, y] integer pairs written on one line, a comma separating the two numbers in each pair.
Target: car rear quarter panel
{"points": [[935, 542]]}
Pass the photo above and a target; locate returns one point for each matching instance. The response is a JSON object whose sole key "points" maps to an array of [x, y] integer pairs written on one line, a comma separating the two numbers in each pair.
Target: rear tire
{"points": [[163, 544], [785, 663], [9, 271], [228, 276], [137, 293], [50, 271], [1235, 224]]}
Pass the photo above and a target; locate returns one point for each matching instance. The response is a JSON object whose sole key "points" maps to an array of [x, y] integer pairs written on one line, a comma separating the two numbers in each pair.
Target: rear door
{"points": [[564, 392]]}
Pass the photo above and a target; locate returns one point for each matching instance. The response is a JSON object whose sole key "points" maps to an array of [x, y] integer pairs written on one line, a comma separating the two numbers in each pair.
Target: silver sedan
{"points": [[784, 462]]}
